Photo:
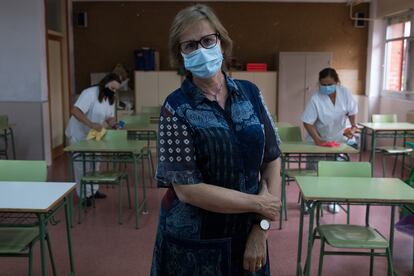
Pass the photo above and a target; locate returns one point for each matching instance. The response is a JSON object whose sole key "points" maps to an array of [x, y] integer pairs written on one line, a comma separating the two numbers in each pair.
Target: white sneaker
{"points": [[333, 208]]}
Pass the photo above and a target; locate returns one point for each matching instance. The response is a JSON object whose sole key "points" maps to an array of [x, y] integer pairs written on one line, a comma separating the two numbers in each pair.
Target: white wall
{"points": [[397, 106], [22, 51], [388, 7], [23, 74]]}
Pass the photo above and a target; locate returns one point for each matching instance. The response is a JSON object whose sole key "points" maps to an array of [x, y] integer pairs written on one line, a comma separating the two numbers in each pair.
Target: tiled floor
{"points": [[102, 247]]}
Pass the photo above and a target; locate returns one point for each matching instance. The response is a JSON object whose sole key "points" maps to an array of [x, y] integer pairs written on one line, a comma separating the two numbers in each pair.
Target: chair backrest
{"points": [[23, 170], [384, 118], [113, 134], [344, 169], [4, 120], [151, 109], [136, 119], [290, 134]]}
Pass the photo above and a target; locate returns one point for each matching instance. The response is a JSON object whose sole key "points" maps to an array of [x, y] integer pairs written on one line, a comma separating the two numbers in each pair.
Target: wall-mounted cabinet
{"points": [[265, 81], [152, 87], [298, 80]]}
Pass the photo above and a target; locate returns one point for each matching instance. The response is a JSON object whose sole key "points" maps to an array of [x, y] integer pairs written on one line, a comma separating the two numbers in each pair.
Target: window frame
{"points": [[405, 93]]}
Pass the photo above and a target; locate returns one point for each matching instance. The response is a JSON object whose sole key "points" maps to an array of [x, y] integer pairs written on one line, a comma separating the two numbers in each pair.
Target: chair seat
{"points": [[298, 172], [15, 239], [352, 236], [109, 176], [396, 149]]}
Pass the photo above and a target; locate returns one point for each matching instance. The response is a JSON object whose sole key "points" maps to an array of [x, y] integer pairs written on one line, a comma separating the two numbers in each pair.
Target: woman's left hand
{"points": [[255, 250], [111, 122]]}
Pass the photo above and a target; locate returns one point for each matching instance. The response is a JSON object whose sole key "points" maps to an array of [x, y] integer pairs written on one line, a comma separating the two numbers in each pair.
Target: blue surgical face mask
{"points": [[204, 63], [327, 89]]}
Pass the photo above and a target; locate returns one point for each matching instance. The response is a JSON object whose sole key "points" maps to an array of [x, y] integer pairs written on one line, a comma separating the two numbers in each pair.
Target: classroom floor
{"points": [[102, 247]]}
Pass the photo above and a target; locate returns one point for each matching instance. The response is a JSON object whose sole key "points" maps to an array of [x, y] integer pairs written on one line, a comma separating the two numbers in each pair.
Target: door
{"points": [[315, 62], [292, 80], [298, 80], [146, 89], [168, 81], [55, 77]]}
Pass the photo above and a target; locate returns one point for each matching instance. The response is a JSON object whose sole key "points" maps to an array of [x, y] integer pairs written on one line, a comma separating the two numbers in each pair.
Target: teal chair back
{"points": [[4, 120], [151, 109], [344, 169], [384, 118], [141, 119], [23, 170], [290, 134]]}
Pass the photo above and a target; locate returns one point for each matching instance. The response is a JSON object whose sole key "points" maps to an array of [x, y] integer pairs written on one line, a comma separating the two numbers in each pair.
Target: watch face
{"points": [[265, 224]]}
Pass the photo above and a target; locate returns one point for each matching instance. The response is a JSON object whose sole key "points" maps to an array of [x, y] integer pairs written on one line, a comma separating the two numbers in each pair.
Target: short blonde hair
{"points": [[184, 19]]}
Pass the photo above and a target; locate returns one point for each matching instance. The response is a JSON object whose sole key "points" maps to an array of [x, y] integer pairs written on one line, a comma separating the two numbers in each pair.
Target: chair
{"points": [[291, 134], [17, 240], [5, 132], [140, 127], [406, 223], [155, 110], [348, 236], [113, 176], [390, 150]]}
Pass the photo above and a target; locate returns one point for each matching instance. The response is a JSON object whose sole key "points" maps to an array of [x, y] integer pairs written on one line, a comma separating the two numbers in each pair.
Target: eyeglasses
{"points": [[207, 42]]}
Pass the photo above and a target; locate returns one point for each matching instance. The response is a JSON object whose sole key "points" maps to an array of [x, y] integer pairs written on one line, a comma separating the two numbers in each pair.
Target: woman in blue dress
{"points": [[217, 151]]}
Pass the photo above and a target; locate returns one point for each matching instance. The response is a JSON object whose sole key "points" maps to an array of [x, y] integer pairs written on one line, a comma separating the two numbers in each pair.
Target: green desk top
{"points": [[388, 126], [116, 145], [304, 147], [355, 189]]}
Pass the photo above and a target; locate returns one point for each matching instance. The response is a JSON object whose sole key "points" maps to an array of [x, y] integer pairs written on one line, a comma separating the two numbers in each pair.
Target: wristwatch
{"points": [[264, 224]]}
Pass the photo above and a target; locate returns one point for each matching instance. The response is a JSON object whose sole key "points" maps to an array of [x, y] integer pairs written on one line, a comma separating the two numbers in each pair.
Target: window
{"points": [[399, 55]]}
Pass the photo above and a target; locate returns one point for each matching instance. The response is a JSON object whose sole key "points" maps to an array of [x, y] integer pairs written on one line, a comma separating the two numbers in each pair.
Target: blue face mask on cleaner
{"points": [[204, 63], [327, 89]]}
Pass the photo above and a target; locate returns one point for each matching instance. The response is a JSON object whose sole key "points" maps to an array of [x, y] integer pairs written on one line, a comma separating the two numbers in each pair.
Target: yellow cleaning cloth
{"points": [[93, 134]]}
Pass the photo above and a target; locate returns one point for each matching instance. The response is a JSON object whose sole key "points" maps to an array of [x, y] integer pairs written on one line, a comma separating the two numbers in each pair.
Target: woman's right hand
{"points": [[269, 204], [96, 126]]}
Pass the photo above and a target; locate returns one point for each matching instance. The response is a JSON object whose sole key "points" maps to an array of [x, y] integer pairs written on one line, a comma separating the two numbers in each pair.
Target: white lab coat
{"points": [[76, 131], [94, 110], [329, 119]]}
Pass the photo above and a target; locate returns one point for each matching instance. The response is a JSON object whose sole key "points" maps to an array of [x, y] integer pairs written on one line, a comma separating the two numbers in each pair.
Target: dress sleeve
{"points": [[272, 140], [176, 153], [352, 106], [85, 100], [310, 114]]}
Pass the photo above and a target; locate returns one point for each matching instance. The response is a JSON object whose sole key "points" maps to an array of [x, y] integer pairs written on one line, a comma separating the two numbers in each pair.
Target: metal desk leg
{"points": [[373, 145], [42, 232], [144, 191], [403, 156], [68, 216], [71, 178], [299, 256], [283, 190], [311, 208], [12, 142], [392, 230], [136, 205], [362, 146]]}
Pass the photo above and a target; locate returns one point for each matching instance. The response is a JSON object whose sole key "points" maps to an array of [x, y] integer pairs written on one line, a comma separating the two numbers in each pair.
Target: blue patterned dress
{"points": [[199, 142]]}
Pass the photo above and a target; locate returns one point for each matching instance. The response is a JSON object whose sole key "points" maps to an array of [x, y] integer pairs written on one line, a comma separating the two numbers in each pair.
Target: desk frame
{"points": [[381, 132], [44, 217], [94, 156]]}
